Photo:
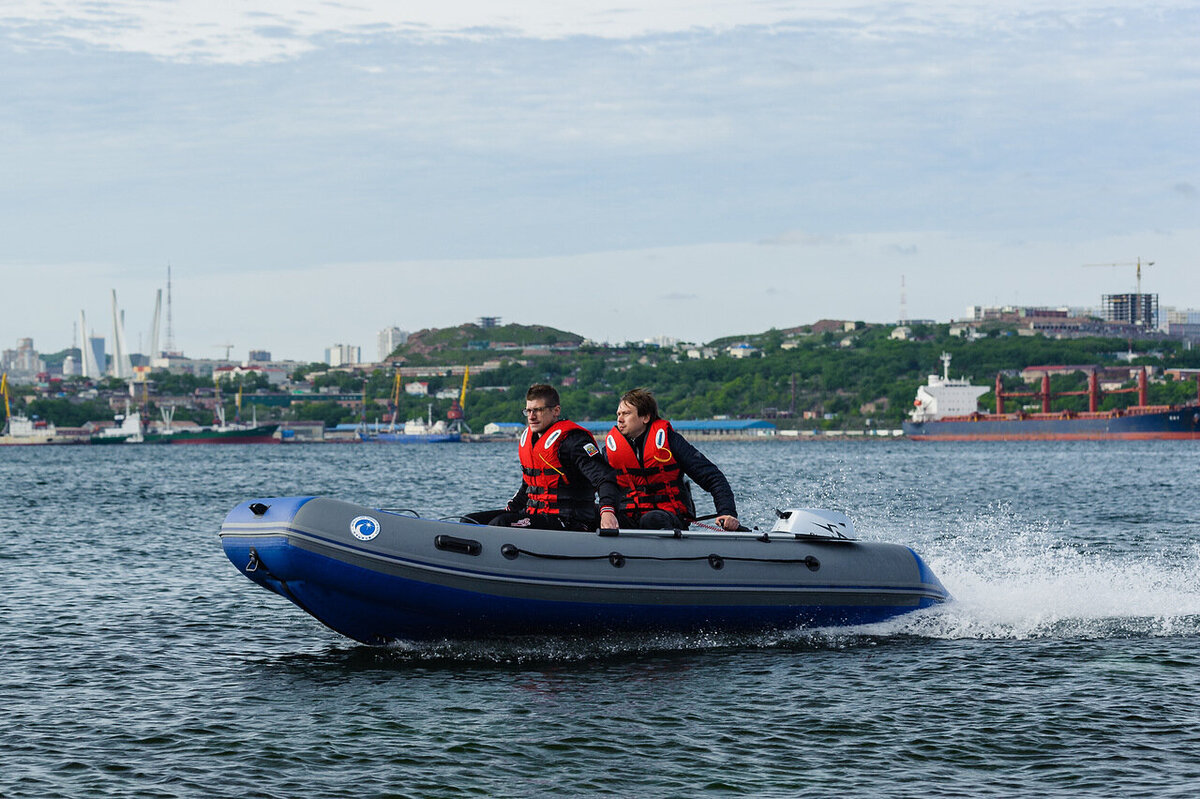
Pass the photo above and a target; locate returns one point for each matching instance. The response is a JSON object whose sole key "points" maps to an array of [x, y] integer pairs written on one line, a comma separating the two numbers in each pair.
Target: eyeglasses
{"points": [[531, 411]]}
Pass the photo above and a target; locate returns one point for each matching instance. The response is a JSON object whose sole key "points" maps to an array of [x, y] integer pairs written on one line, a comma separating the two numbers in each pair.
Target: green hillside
{"points": [[852, 375], [471, 343]]}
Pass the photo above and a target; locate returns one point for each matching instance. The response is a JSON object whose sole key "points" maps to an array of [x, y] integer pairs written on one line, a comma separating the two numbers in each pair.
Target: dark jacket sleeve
{"points": [[519, 500], [591, 465], [704, 472]]}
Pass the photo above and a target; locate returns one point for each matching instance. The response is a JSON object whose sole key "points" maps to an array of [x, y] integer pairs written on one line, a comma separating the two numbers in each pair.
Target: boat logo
{"points": [[364, 528]]}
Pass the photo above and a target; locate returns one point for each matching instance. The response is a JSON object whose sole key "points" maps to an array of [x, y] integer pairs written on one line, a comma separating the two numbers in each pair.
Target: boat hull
{"points": [[419, 579], [106, 440], [1176, 423], [263, 434], [37, 441]]}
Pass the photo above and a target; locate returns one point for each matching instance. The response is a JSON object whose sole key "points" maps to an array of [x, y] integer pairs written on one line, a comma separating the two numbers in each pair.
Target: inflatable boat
{"points": [[380, 575]]}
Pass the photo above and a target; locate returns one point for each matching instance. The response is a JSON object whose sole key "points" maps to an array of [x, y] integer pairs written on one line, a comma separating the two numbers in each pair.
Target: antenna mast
{"points": [[170, 329]]}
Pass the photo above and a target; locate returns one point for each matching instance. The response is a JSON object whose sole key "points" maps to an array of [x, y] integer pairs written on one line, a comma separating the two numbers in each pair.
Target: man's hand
{"points": [[728, 522]]}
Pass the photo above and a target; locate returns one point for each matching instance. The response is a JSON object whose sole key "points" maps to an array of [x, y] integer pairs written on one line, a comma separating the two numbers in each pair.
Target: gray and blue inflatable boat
{"points": [[377, 575]]}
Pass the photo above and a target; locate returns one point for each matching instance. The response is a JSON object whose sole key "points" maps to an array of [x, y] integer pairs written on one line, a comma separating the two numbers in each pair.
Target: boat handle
{"points": [[463, 546]]}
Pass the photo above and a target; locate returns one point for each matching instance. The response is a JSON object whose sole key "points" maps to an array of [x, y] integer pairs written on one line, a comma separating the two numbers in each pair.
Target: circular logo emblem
{"points": [[611, 443], [364, 528]]}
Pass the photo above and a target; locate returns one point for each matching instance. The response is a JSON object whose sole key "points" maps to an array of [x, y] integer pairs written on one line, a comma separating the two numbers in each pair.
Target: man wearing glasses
{"points": [[562, 471]]}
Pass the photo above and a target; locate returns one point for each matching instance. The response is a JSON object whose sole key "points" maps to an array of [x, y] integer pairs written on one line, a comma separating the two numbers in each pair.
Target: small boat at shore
{"points": [[380, 575], [20, 430], [127, 429]]}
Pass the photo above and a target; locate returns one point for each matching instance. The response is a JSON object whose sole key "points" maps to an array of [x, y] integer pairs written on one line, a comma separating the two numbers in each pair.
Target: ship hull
{"points": [[1168, 424], [264, 434], [36, 441]]}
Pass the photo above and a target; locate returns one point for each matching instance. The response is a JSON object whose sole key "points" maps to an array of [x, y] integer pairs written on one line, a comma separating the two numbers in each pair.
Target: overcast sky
{"points": [[315, 171]]}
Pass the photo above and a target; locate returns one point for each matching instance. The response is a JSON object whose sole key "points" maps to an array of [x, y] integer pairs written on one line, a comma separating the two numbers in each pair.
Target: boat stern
{"points": [[935, 591]]}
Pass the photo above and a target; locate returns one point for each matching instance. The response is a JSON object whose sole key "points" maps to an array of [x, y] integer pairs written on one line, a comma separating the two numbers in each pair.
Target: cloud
{"points": [[257, 31], [271, 30], [798, 238], [742, 145]]}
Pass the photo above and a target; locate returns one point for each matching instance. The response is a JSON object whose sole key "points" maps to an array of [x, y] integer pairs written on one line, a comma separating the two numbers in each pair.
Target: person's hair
{"points": [[541, 391], [643, 402]]}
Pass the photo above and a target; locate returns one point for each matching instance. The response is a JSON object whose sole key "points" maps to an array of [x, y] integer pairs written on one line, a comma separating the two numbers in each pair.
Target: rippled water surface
{"points": [[138, 662]]}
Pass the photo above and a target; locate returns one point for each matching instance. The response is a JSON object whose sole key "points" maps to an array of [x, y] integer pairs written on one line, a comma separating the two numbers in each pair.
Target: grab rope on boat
{"points": [[256, 564], [512, 552]]}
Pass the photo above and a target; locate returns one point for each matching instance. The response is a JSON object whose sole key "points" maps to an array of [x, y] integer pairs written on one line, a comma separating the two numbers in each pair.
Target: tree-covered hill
{"points": [[471, 343], [852, 375]]}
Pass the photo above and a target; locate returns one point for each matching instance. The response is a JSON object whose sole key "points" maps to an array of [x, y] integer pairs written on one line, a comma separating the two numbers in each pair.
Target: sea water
{"points": [[136, 661]]}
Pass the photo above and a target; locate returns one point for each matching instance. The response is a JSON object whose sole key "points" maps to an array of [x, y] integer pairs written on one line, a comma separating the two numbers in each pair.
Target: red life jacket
{"points": [[546, 486], [655, 482]]}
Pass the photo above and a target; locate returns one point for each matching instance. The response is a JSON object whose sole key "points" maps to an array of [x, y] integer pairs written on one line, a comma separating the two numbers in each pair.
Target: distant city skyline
{"points": [[351, 349], [389, 337], [318, 172]]}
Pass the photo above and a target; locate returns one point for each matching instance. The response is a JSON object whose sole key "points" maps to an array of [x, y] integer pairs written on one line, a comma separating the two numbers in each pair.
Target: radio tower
{"points": [[903, 303], [170, 330]]}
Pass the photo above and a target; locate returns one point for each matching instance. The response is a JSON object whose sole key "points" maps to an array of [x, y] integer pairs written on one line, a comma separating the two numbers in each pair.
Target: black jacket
{"points": [[585, 472]]}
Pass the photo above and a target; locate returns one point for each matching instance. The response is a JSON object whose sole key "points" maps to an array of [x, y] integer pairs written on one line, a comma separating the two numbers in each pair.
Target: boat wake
{"points": [[1018, 595], [1035, 583], [1063, 593]]}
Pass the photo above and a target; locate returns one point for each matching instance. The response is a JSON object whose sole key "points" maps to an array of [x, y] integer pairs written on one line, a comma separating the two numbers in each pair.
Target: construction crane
{"points": [[228, 349], [1138, 296]]}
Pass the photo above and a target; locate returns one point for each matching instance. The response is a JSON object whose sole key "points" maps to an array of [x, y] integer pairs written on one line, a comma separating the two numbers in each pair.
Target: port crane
{"points": [[1138, 295]]}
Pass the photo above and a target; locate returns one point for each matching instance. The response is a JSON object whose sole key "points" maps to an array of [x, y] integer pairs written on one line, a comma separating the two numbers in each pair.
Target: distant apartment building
{"points": [[1185, 316], [995, 313], [1183, 323], [343, 355], [259, 356], [1140, 310], [389, 339], [22, 361]]}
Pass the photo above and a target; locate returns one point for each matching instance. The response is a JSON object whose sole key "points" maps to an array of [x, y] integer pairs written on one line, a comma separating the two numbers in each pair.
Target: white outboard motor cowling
{"points": [[814, 523]]}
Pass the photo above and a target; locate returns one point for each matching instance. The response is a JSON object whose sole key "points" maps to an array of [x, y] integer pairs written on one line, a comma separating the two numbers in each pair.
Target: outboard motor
{"points": [[814, 523]]}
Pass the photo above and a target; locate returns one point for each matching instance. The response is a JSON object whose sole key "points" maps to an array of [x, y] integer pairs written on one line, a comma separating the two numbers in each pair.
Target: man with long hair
{"points": [[651, 461]]}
